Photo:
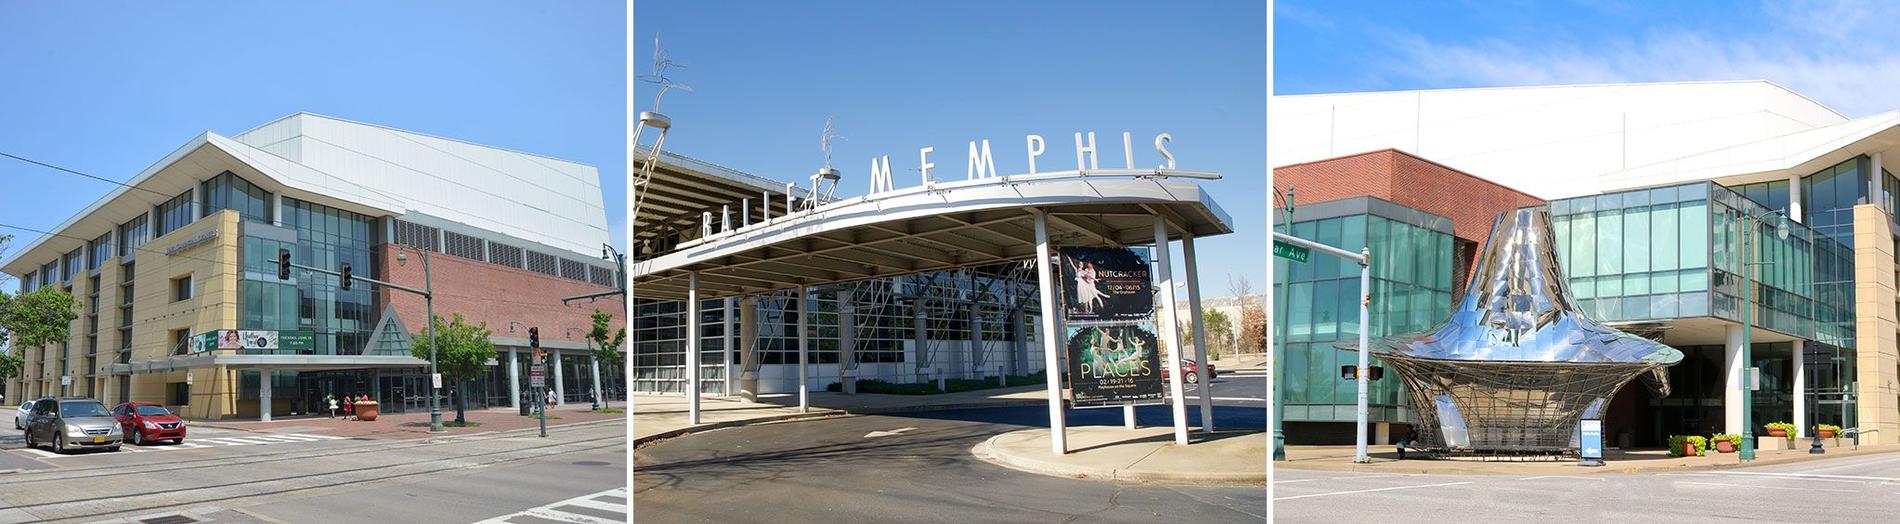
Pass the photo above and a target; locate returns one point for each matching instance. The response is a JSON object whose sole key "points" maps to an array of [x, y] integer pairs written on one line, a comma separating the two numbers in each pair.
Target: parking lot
{"points": [[1864, 488]]}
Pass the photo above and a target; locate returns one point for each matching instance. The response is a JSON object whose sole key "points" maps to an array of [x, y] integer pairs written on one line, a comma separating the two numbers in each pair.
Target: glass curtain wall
{"points": [[1411, 291]]}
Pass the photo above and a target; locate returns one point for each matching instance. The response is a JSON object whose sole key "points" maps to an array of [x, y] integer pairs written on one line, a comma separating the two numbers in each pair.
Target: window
{"points": [[174, 214], [229, 191], [504, 254], [181, 288], [181, 341], [574, 270], [131, 236], [73, 261], [180, 394], [27, 281], [99, 250], [543, 263], [462, 245], [417, 235]]}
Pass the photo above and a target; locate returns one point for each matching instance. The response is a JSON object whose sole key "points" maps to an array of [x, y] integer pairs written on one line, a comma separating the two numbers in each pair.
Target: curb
{"points": [[638, 441], [1585, 471], [986, 452]]}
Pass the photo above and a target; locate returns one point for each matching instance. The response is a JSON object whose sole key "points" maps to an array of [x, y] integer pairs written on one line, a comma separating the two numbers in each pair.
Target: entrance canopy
{"points": [[947, 225], [277, 362]]}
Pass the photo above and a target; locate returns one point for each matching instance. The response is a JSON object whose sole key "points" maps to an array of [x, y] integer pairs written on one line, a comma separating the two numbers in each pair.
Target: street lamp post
{"points": [[1363, 374], [1279, 407], [1748, 257]]}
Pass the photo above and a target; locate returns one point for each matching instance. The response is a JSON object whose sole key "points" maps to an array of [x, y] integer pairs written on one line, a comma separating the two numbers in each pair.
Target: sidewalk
{"points": [[1248, 361], [415, 424], [1139, 455], [664, 416], [1386, 460]]}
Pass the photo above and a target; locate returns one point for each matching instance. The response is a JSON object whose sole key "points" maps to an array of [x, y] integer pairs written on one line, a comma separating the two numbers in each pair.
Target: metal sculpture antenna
{"points": [[661, 61], [825, 182], [825, 137]]}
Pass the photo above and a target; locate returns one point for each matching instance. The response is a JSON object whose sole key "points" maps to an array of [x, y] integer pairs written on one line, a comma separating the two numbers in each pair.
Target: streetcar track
{"points": [[178, 491], [52, 475]]}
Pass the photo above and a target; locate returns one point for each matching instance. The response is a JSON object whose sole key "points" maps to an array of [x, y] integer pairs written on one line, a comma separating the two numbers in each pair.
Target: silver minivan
{"points": [[72, 424]]}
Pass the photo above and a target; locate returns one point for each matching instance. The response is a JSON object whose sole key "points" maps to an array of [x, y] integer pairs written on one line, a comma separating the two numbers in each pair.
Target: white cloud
{"points": [[1836, 52]]}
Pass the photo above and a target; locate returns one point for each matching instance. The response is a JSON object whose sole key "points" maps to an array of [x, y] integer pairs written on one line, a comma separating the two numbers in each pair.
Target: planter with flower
{"points": [[1781, 429], [1828, 430], [1726, 442], [1688, 445]]}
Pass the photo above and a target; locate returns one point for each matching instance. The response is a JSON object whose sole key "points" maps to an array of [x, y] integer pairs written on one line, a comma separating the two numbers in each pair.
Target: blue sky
{"points": [[1839, 52], [109, 91], [899, 76]]}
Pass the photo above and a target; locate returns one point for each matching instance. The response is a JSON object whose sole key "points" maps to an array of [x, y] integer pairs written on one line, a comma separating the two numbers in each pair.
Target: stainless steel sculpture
{"points": [[1517, 364]]}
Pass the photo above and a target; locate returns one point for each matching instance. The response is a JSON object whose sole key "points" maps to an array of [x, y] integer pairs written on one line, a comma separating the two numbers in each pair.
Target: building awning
{"points": [[275, 362], [945, 226]]}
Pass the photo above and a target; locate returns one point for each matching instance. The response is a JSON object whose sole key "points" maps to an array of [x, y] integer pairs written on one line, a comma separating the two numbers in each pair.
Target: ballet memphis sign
{"points": [[1114, 357]]}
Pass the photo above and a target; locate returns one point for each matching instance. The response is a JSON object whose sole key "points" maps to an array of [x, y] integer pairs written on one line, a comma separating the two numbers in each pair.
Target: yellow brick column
{"points": [[1876, 356]]}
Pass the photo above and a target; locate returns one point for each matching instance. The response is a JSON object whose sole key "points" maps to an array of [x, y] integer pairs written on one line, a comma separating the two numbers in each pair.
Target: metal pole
{"points": [[1748, 361], [804, 402], [692, 348], [1200, 331], [1170, 332], [435, 393], [1051, 341], [1365, 374]]}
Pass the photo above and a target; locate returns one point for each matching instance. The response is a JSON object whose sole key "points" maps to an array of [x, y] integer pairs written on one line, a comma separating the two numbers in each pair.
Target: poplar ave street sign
{"points": [[1290, 251]]}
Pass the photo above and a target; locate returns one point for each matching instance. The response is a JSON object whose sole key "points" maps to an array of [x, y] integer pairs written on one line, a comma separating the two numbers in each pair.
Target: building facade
{"points": [[174, 267], [1655, 190]]}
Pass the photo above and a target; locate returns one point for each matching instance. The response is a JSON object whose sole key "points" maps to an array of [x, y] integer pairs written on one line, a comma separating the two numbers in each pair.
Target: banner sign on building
{"points": [[1105, 284], [1114, 365], [254, 339]]}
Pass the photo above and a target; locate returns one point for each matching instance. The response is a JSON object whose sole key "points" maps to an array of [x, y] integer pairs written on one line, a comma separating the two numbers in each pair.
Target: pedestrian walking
{"points": [[331, 400], [349, 407]]}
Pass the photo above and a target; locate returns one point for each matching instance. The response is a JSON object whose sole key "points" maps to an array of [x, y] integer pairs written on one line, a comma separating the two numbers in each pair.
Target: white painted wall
{"points": [[1549, 141]]}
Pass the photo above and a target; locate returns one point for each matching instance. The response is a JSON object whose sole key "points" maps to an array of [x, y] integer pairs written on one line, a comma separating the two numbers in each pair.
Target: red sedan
{"points": [[1190, 372], [149, 422]]}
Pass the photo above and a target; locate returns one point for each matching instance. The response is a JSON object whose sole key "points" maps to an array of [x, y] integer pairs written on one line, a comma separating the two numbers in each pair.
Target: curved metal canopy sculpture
{"points": [[1517, 364]]}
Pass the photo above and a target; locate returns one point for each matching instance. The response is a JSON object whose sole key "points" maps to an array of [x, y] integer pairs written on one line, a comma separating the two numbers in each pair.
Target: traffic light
{"points": [[346, 276], [283, 264], [534, 337], [1350, 372]]}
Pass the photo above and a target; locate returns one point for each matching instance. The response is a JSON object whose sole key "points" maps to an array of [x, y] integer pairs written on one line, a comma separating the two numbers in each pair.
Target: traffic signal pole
{"points": [[1363, 373]]}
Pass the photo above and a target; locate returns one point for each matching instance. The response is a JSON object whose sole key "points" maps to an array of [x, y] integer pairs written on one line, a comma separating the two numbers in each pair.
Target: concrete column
{"points": [[277, 209], [1800, 388], [1046, 282], [514, 379], [263, 395], [1873, 183], [1200, 330], [1169, 332], [1794, 200], [919, 333], [1732, 384], [595, 363], [847, 344], [692, 349], [1382, 433], [749, 348], [804, 349], [560, 391], [976, 341]]}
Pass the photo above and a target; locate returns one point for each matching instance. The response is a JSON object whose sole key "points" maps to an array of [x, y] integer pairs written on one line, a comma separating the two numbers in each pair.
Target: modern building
{"points": [[177, 264], [1654, 190]]}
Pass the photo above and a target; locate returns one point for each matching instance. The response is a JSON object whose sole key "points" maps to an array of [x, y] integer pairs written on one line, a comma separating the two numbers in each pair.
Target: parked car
{"points": [[20, 417], [143, 422], [1190, 372], [72, 423]]}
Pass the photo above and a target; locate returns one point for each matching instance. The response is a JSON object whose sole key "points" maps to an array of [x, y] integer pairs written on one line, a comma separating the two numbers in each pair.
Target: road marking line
{"points": [[1294, 480], [1369, 490], [325, 437], [42, 453], [586, 501], [1727, 485], [1577, 477], [1804, 475]]}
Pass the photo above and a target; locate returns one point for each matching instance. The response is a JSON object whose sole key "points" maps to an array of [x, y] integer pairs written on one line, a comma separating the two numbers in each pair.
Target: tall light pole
{"points": [[1275, 297], [1363, 374], [1748, 257]]}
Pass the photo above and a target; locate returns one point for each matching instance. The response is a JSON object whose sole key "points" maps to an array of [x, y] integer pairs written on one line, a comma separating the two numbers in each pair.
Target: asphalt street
{"points": [[291, 477], [1863, 488], [917, 467]]}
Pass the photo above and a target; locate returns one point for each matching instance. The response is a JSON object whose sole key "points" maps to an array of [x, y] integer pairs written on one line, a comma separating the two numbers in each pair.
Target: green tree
{"points": [[607, 343], [33, 319], [462, 350], [1220, 332]]}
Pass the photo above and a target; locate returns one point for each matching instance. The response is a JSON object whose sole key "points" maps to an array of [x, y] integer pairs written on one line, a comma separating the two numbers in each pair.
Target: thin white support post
{"points": [[1365, 373], [1200, 331], [1051, 341], [1169, 332], [1801, 388], [1128, 416], [804, 402], [731, 334], [514, 379], [692, 348]]}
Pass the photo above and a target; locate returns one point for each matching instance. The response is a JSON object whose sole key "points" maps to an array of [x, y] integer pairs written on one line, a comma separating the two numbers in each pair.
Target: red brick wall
{"points": [[1472, 203], [484, 292]]}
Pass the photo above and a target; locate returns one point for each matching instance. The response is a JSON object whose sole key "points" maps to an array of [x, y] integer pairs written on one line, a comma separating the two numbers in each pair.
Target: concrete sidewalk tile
{"points": [[1141, 455]]}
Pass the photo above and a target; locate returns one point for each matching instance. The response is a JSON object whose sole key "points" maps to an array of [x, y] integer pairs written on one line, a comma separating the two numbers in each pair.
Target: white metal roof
{"points": [[919, 229], [366, 169]]}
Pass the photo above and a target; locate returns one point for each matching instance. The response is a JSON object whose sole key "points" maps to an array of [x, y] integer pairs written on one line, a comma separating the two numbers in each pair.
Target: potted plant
{"points": [[1828, 430], [1727, 442], [1687, 445], [1781, 429]]}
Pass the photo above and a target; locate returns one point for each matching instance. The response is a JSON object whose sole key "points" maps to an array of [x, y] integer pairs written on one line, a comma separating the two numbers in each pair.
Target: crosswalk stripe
{"points": [[324, 437], [548, 512], [41, 452]]}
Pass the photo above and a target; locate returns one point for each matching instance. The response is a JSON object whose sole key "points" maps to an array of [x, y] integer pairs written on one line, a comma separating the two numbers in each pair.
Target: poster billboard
{"points": [[1105, 284], [1114, 365], [246, 339]]}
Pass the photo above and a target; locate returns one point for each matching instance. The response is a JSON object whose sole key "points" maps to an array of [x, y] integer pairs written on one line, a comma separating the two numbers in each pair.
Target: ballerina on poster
{"points": [[1088, 289]]}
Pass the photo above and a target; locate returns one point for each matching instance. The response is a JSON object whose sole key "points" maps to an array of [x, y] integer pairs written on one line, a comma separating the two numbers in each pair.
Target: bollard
{"points": [[940, 387]]}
